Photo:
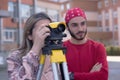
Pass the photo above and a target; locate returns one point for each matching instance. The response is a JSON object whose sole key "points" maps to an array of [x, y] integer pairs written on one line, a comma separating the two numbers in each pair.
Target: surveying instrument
{"points": [[54, 48]]}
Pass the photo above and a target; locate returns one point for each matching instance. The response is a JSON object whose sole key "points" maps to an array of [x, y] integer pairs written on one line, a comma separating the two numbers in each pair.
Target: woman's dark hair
{"points": [[29, 25]]}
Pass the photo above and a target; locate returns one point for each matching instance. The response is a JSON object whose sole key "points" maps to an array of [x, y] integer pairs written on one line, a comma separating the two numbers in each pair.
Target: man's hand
{"points": [[71, 75], [97, 67]]}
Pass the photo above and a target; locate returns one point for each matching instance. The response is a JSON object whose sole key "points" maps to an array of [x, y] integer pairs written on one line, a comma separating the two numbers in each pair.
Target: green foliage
{"points": [[113, 51]]}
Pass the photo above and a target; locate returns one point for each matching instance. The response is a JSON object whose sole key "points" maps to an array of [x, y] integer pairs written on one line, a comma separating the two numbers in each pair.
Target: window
{"points": [[99, 17], [25, 10], [115, 14], [53, 14], [99, 4], [1, 60], [11, 6], [68, 6], [106, 3], [12, 9], [114, 2], [8, 35], [106, 16], [116, 42], [107, 28], [115, 27], [62, 7]]}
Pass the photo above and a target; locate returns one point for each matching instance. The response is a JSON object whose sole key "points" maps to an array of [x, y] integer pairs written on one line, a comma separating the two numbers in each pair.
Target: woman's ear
{"points": [[30, 37], [66, 28]]}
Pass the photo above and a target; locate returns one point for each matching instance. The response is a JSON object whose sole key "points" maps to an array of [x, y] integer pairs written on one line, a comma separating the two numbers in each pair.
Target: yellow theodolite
{"points": [[54, 48]]}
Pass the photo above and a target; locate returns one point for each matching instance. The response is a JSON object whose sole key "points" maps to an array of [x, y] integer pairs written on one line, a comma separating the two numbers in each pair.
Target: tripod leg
{"points": [[42, 61], [58, 57], [62, 72], [55, 71], [65, 70], [40, 72]]}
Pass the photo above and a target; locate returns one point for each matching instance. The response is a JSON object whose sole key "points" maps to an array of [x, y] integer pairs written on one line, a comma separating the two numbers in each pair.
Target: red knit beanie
{"points": [[74, 12]]}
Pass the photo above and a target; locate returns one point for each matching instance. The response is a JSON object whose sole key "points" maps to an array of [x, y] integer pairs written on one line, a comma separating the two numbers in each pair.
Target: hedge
{"points": [[113, 51]]}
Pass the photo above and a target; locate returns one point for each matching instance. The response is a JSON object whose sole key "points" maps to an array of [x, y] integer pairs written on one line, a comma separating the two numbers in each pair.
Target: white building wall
{"points": [[91, 16], [53, 10], [103, 21], [48, 5], [110, 20], [1, 33], [118, 10]]}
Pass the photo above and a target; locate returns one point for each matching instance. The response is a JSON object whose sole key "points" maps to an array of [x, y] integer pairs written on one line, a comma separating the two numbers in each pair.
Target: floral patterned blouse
{"points": [[27, 67]]}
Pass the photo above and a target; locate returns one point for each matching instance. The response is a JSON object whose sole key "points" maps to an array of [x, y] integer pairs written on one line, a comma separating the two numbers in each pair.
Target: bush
{"points": [[113, 51]]}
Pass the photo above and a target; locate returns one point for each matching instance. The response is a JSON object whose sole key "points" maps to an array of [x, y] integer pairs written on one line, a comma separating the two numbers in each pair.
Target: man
{"points": [[86, 58]]}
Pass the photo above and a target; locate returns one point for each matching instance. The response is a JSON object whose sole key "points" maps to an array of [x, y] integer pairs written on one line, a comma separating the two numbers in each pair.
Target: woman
{"points": [[23, 63]]}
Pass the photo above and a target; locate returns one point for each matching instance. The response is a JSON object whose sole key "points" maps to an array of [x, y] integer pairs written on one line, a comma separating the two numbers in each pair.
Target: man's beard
{"points": [[75, 37]]}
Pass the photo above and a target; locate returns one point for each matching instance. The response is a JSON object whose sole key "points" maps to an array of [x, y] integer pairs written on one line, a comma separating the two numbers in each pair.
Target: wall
{"points": [[3, 4]]}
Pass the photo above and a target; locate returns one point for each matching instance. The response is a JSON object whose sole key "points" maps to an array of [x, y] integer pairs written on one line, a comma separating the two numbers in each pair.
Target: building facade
{"points": [[95, 27], [11, 27], [102, 18], [109, 18]]}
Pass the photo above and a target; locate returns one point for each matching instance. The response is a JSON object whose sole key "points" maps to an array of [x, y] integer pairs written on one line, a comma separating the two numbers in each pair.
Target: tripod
{"points": [[55, 49], [56, 58]]}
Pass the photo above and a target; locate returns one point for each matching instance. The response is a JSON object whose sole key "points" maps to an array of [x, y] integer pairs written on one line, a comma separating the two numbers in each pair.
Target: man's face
{"points": [[77, 28]]}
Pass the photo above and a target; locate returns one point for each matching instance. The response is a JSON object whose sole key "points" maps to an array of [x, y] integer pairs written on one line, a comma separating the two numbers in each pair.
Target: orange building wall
{"points": [[30, 2], [23, 1], [3, 4], [86, 5], [7, 22]]}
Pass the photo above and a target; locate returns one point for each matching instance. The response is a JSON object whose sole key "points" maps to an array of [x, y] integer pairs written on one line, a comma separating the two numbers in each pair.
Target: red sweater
{"points": [[81, 58]]}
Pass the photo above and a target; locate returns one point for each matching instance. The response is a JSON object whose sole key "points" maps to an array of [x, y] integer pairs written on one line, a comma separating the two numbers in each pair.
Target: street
{"points": [[3, 74], [114, 67], [113, 63]]}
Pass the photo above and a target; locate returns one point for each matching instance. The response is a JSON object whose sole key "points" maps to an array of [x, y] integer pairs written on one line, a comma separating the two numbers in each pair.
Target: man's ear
{"points": [[30, 37]]}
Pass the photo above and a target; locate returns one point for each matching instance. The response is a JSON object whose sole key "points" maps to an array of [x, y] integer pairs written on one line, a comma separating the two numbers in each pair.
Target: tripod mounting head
{"points": [[54, 41], [57, 29]]}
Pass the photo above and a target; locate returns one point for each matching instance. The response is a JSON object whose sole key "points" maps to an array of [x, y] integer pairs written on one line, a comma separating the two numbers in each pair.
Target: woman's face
{"points": [[41, 23], [38, 27]]}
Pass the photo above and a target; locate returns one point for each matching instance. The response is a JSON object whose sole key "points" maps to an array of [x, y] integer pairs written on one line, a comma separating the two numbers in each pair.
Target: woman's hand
{"points": [[40, 33]]}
